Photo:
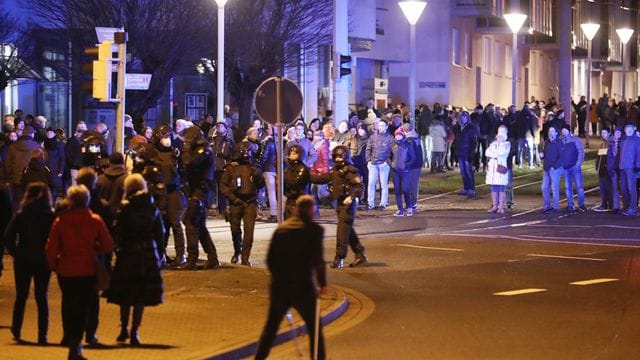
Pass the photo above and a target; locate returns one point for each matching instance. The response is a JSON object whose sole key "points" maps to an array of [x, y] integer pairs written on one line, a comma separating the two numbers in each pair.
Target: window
{"points": [[467, 50], [487, 56], [455, 46], [498, 63], [508, 55]]}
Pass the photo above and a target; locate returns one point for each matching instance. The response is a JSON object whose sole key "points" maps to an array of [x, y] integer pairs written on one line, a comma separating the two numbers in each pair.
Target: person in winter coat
{"points": [[401, 155], [613, 168], [18, 157], [422, 126], [55, 161], [439, 137], [110, 184], [497, 171], [604, 181], [76, 240], [629, 164], [466, 143], [136, 280], [378, 154], [414, 164], [552, 171], [73, 151], [572, 156], [223, 148], [25, 239], [268, 164], [36, 170]]}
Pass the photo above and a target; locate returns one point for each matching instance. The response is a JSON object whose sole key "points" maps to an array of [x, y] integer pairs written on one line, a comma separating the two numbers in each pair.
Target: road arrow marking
{"points": [[593, 281], [566, 257], [519, 292], [426, 247]]}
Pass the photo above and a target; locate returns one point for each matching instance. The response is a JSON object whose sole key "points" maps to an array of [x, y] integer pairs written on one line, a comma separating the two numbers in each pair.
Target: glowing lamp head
{"points": [[412, 10]]}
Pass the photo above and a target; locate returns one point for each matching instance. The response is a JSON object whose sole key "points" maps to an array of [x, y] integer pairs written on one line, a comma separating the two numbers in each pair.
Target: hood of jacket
{"points": [[114, 171]]}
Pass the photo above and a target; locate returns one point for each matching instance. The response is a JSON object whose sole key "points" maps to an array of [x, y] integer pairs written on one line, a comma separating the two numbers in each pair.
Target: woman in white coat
{"points": [[497, 172]]}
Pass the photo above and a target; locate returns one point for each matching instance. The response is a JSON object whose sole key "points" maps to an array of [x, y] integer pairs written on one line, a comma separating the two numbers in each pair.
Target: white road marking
{"points": [[426, 247], [547, 240], [566, 257], [593, 281], [519, 292], [583, 238]]}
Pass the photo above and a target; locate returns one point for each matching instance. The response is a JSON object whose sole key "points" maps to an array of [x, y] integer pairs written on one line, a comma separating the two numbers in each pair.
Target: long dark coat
{"points": [[138, 229]]}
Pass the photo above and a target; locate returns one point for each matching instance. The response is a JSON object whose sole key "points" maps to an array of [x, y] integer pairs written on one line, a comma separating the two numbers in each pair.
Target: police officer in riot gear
{"points": [[167, 162], [345, 187], [93, 150], [240, 183], [296, 179], [197, 161]]}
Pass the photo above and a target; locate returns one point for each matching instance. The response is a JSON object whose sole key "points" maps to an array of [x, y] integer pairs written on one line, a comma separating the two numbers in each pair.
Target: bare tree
{"points": [[12, 66], [259, 37], [165, 36]]}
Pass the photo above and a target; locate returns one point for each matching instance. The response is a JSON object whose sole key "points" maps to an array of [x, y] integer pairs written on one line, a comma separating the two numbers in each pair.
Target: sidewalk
{"points": [[212, 314]]}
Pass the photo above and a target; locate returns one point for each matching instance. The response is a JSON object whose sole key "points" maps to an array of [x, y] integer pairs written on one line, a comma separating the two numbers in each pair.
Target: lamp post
{"points": [[412, 11], [624, 34], [220, 62], [515, 21], [589, 30]]}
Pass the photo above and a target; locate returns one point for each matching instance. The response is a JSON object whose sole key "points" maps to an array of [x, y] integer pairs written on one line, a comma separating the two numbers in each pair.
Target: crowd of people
{"points": [[169, 177]]}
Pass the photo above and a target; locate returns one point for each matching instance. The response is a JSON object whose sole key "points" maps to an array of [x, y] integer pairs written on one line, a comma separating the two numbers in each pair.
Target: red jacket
{"points": [[76, 238]]}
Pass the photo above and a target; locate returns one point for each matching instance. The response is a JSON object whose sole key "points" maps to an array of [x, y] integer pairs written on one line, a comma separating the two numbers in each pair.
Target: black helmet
{"points": [[340, 152], [93, 142], [162, 130]]}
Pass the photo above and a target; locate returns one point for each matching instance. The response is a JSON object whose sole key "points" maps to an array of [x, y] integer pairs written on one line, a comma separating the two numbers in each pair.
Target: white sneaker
{"points": [[409, 212]]}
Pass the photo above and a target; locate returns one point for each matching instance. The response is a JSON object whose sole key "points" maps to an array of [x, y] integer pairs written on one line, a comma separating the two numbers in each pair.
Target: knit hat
{"points": [[566, 126]]}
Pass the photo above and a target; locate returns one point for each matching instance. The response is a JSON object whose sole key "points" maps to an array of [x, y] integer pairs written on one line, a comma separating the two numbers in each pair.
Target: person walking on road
{"points": [[76, 240], [497, 170], [25, 239], [296, 264], [139, 234]]}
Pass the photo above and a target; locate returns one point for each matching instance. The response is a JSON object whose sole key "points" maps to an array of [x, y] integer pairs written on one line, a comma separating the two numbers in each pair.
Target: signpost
{"points": [[278, 101], [137, 81]]}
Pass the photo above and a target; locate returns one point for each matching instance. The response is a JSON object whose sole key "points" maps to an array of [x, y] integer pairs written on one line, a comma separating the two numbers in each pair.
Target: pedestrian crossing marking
{"points": [[519, 292], [567, 257], [593, 281], [426, 247]]}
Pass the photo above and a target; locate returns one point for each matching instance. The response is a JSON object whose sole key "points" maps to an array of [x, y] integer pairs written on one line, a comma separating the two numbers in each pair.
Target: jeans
{"points": [[467, 174], [270, 179], [401, 183], [606, 200], [629, 191], [574, 175], [436, 159], [377, 173], [614, 176], [551, 179], [525, 145], [414, 186], [427, 145]]}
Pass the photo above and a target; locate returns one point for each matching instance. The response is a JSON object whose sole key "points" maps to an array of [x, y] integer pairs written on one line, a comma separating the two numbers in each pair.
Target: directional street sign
{"points": [[137, 81]]}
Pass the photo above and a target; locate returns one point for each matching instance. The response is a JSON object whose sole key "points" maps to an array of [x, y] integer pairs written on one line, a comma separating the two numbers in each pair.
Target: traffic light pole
{"points": [[121, 40]]}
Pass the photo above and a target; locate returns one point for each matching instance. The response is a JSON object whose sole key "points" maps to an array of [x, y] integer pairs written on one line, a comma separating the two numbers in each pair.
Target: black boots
{"points": [[135, 340], [235, 258], [75, 350], [360, 260], [124, 335], [338, 263]]}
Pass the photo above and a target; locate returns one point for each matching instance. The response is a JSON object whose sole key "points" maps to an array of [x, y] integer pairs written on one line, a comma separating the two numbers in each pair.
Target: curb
{"points": [[247, 350]]}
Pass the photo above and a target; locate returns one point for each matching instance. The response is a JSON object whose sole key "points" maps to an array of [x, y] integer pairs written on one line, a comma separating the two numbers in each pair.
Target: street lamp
{"points": [[624, 34], [515, 21], [220, 62], [589, 30], [412, 11]]}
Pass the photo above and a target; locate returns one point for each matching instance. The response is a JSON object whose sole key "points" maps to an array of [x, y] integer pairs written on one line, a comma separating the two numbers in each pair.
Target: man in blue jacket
{"points": [[552, 171], [572, 156], [629, 164]]}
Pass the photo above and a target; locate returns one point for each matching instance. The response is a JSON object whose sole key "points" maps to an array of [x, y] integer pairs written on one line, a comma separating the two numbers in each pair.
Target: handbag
{"points": [[103, 277], [501, 169]]}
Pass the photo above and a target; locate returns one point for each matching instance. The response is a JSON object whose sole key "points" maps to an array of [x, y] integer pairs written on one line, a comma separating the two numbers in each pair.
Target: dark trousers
{"points": [[136, 320], [246, 215], [414, 186], [222, 201], [304, 301], [23, 273], [594, 128], [176, 204], [401, 183], [606, 198], [360, 162], [467, 174], [76, 297], [581, 125], [614, 176], [629, 191], [345, 233], [436, 160], [196, 230]]}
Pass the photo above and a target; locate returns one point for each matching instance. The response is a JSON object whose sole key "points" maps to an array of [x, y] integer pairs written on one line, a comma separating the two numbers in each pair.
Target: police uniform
{"points": [[296, 180], [344, 182], [240, 183], [167, 162], [198, 162]]}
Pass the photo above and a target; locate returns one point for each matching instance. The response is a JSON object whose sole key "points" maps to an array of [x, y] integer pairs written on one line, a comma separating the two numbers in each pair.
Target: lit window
{"points": [[455, 45]]}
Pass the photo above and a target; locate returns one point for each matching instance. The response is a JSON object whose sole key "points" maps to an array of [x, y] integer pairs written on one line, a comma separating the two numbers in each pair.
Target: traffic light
{"points": [[100, 70], [338, 61]]}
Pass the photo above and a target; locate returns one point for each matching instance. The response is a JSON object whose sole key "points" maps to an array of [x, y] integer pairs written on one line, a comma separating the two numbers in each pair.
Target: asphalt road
{"points": [[463, 285]]}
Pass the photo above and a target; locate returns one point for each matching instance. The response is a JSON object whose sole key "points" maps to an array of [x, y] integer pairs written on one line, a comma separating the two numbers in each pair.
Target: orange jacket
{"points": [[76, 238]]}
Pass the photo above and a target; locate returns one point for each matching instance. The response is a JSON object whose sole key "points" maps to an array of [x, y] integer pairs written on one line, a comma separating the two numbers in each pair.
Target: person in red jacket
{"points": [[77, 238]]}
